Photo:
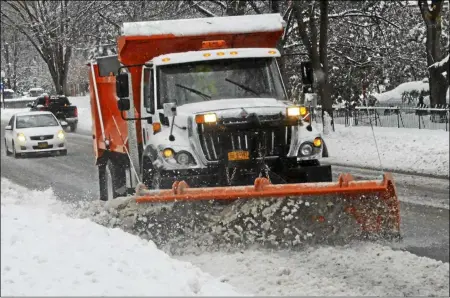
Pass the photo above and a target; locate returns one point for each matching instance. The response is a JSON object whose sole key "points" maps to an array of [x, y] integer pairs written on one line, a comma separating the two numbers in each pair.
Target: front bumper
{"points": [[31, 146], [245, 175]]}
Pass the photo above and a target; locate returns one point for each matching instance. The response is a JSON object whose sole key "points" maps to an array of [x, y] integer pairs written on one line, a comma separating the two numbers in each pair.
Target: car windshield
{"points": [[28, 121], [219, 79]]}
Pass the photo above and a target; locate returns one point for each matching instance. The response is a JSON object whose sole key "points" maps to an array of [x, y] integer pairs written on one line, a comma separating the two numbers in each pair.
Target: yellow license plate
{"points": [[42, 145], [238, 155]]}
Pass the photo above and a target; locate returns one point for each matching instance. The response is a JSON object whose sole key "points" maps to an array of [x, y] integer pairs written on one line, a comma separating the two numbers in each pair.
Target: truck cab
{"points": [[222, 117]]}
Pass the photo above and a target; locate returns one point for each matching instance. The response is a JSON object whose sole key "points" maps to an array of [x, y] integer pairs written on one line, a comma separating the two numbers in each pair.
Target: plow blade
{"points": [[268, 215]]}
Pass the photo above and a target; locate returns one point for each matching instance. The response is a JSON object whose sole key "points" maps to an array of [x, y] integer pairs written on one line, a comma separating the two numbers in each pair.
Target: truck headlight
{"points": [[317, 142], [21, 137], [206, 118], [184, 158], [61, 135], [306, 149], [293, 112], [168, 153]]}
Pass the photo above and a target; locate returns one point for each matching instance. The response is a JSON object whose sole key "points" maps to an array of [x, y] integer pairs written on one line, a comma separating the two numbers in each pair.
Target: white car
{"points": [[34, 132]]}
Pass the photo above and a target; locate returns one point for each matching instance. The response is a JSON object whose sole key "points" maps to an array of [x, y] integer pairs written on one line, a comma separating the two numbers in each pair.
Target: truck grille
{"points": [[41, 138], [268, 142]]}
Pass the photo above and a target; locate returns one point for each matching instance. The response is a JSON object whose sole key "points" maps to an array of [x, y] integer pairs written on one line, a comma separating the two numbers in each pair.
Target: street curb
{"points": [[412, 173]]}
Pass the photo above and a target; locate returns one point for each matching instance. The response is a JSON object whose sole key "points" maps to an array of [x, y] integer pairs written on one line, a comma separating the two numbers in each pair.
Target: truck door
{"points": [[147, 103]]}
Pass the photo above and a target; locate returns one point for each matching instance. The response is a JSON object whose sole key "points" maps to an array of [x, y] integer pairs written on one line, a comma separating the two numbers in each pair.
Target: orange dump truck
{"points": [[196, 109]]}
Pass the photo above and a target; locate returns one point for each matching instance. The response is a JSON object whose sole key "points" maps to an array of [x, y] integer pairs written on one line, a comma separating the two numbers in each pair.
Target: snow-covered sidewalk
{"points": [[44, 252], [401, 149]]}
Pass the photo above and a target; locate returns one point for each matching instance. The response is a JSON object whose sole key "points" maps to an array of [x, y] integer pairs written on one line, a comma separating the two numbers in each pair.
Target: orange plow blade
{"points": [[284, 215]]}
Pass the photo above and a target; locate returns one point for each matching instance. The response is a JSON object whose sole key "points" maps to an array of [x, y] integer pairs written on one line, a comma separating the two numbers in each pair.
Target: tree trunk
{"points": [[8, 67], [432, 19], [324, 84]]}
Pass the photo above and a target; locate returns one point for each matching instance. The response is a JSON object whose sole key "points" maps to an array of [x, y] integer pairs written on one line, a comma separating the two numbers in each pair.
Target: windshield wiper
{"points": [[205, 96], [243, 87]]}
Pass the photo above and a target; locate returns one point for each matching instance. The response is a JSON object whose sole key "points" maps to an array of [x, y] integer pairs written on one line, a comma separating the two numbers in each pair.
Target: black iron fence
{"points": [[407, 117]]}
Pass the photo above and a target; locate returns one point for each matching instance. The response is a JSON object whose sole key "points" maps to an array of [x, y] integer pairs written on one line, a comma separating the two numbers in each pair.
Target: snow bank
{"points": [[356, 270], [395, 95], [6, 114], [206, 26], [44, 252], [401, 149]]}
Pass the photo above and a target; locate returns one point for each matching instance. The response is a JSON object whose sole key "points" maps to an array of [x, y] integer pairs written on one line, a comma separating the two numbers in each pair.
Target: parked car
{"points": [[35, 92], [34, 132], [60, 106], [9, 94]]}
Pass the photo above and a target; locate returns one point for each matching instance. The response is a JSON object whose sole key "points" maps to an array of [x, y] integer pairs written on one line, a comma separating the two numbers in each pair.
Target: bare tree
{"points": [[432, 18], [53, 28]]}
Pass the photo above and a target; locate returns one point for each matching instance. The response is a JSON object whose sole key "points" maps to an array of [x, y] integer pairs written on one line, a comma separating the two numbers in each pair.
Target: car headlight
{"points": [[61, 135], [317, 142], [306, 149], [21, 137]]}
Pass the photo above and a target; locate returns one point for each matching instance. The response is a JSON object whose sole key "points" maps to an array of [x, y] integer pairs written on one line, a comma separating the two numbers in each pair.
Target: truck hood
{"points": [[233, 107]]}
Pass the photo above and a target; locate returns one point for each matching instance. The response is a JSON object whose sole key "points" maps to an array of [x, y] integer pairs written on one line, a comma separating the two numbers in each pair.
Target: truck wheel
{"points": [[112, 181], [73, 127], [150, 177]]}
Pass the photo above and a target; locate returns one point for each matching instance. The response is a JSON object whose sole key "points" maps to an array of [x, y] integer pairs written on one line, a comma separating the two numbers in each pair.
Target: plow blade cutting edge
{"points": [[280, 215]]}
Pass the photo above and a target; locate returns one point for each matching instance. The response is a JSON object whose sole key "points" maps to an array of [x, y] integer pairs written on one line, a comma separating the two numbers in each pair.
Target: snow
{"points": [[45, 252], [401, 149], [6, 114], [440, 63], [395, 95], [206, 26], [355, 270]]}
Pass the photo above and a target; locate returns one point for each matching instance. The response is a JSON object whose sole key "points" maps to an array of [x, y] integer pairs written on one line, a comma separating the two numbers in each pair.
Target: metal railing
{"points": [[401, 117]]}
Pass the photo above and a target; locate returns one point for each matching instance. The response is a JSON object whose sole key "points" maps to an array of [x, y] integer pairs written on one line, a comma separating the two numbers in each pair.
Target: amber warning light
{"points": [[214, 44]]}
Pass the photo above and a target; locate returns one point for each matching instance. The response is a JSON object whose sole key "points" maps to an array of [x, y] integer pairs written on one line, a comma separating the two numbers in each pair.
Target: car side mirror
{"points": [[170, 109], [122, 88], [8, 127], [123, 104]]}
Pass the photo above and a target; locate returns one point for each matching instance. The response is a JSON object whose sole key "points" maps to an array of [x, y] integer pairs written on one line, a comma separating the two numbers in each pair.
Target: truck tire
{"points": [[73, 127], [150, 177], [112, 181]]}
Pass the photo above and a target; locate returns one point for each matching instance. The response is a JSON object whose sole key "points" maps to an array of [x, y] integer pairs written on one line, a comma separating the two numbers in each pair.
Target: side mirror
{"points": [[8, 127], [122, 89], [170, 109], [123, 104]]}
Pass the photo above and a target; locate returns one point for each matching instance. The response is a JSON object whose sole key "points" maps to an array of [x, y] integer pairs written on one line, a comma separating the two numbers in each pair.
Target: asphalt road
{"points": [[425, 226]]}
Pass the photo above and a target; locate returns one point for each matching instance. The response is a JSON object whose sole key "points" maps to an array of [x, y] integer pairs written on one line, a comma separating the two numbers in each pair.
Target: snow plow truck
{"points": [[196, 140]]}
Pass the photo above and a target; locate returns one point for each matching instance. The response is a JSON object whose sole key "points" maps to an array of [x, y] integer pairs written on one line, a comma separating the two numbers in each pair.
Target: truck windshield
{"points": [[219, 79]]}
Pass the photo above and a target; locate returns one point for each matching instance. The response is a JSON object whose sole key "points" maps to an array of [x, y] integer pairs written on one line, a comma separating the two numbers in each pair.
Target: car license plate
{"points": [[238, 155], [42, 145]]}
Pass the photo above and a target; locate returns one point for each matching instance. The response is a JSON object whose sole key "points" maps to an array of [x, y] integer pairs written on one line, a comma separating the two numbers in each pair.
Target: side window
{"points": [[149, 99], [11, 122]]}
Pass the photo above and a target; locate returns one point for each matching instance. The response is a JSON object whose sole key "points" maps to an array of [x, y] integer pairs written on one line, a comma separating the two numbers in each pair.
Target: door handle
{"points": [[143, 136]]}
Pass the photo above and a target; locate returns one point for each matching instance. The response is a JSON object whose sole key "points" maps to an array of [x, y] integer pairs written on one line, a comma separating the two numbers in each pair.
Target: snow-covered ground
{"points": [[44, 252], [404, 149], [356, 270]]}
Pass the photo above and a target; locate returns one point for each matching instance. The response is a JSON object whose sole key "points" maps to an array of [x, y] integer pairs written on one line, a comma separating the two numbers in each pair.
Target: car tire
{"points": [[112, 181], [15, 154], [63, 152], [8, 153]]}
